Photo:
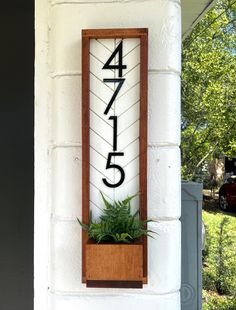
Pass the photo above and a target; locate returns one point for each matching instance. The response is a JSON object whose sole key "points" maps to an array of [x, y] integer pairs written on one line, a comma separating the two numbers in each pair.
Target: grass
{"points": [[214, 301], [219, 258]]}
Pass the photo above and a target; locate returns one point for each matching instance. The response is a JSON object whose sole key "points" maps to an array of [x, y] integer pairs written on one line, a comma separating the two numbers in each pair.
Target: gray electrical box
{"points": [[191, 222]]}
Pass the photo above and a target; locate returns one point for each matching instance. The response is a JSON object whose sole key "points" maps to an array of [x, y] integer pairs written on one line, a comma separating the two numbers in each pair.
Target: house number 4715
{"points": [[118, 52]]}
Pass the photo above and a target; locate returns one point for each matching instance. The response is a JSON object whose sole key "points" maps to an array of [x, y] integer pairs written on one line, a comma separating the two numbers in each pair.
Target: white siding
{"points": [[58, 152]]}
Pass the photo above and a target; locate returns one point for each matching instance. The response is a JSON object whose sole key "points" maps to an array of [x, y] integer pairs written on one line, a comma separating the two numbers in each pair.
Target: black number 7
{"points": [[120, 81]]}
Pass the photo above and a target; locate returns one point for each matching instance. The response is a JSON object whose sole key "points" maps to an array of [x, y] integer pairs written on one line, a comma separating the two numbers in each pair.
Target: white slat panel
{"points": [[128, 136], [99, 144], [131, 187], [129, 45], [108, 44], [97, 65], [127, 99], [95, 194], [98, 105], [102, 128], [131, 79], [96, 179], [95, 210], [96, 203], [131, 171], [102, 49], [99, 163], [100, 89], [131, 152], [127, 108], [132, 57], [125, 121]]}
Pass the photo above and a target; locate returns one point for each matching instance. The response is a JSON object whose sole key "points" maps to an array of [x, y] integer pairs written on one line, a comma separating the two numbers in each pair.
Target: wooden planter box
{"points": [[114, 265]]}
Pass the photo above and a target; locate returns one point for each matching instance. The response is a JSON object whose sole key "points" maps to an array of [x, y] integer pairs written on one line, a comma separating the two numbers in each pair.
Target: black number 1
{"points": [[114, 118]]}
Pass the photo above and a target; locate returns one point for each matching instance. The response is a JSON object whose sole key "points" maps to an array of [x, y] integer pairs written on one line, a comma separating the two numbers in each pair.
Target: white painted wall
{"points": [[58, 152]]}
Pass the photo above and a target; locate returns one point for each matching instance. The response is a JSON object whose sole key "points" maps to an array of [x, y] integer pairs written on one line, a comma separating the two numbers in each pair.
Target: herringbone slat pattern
{"points": [[126, 107]]}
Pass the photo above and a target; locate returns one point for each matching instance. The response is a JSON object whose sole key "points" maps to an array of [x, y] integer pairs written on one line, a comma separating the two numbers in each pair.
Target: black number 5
{"points": [[110, 165]]}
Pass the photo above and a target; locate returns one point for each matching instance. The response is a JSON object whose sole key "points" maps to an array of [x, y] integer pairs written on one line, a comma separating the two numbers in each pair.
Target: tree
{"points": [[208, 90]]}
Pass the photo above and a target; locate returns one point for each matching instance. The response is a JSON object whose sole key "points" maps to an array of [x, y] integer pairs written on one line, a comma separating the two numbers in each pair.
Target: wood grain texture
{"points": [[114, 262], [85, 146], [114, 284], [143, 141], [142, 34], [114, 33]]}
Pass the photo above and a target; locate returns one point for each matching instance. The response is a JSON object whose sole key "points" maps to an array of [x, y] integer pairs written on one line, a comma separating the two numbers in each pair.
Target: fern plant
{"points": [[116, 223]]}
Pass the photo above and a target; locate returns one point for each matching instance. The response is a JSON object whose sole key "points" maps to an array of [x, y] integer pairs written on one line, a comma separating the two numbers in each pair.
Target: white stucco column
{"points": [[58, 152]]}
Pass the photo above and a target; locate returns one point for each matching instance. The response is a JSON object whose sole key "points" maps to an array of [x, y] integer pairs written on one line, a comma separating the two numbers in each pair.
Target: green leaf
{"points": [[107, 204], [116, 223], [84, 226], [128, 199]]}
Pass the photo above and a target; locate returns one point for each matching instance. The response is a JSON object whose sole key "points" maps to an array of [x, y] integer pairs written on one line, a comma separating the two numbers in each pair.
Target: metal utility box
{"points": [[191, 221]]}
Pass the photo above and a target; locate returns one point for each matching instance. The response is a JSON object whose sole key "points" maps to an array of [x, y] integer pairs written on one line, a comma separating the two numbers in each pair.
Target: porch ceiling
{"points": [[192, 12]]}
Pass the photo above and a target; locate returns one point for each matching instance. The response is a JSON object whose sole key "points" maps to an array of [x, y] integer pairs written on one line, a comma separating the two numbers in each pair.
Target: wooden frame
{"points": [[125, 266], [141, 33]]}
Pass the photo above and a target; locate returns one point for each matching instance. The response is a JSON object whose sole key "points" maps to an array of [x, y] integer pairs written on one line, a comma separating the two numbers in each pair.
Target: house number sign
{"points": [[112, 66], [114, 119]]}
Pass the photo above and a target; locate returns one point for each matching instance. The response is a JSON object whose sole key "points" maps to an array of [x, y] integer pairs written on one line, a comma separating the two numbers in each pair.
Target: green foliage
{"points": [[223, 242], [205, 251], [219, 262], [213, 301], [208, 90], [116, 223]]}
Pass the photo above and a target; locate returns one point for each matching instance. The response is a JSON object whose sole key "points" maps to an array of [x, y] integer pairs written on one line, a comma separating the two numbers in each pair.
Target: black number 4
{"points": [[110, 165], [120, 66]]}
